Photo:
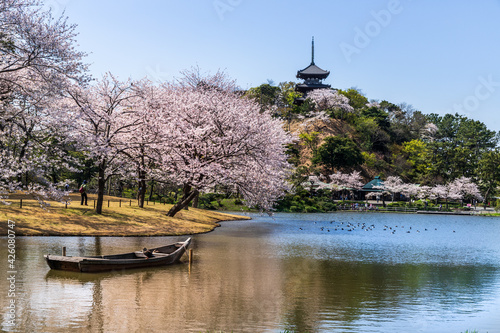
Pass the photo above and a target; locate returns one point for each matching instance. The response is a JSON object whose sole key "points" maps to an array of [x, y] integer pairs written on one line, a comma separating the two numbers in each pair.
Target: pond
{"points": [[340, 272]]}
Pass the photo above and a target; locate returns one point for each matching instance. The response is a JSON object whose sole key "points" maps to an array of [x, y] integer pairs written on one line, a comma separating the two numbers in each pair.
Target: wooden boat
{"points": [[164, 255]]}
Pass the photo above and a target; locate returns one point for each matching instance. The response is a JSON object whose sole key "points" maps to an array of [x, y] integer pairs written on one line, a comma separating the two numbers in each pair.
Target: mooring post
{"points": [[64, 251], [130, 203], [21, 204], [190, 255], [108, 203]]}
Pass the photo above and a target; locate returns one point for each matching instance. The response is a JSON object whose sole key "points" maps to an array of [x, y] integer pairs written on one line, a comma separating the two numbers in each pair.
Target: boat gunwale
{"points": [[158, 258]]}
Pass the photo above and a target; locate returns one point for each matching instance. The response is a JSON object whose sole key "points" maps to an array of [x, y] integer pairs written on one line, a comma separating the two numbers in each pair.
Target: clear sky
{"points": [[439, 56]]}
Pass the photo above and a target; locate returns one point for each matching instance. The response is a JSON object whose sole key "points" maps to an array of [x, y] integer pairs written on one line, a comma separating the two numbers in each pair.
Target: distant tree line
{"points": [[343, 131]]}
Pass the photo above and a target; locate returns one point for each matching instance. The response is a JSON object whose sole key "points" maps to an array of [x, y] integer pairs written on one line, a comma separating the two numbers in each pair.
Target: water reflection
{"points": [[267, 275], [346, 294]]}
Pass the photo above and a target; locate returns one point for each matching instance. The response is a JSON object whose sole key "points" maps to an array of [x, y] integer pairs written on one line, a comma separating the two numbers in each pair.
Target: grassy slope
{"points": [[115, 221]]}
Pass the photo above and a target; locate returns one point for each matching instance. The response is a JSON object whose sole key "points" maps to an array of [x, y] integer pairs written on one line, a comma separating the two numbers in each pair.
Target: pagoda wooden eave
{"points": [[303, 87], [312, 72]]}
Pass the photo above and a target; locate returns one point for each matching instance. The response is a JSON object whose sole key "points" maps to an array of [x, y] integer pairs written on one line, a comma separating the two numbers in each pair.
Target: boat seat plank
{"points": [[139, 254]]}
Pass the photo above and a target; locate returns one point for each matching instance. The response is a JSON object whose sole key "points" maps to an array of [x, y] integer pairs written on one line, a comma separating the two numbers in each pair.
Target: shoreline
{"points": [[123, 218], [55, 233], [2, 234], [120, 219]]}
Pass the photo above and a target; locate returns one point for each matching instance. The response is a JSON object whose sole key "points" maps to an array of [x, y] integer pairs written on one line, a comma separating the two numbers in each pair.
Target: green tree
{"points": [[390, 107], [337, 153], [489, 173], [286, 97], [293, 152], [309, 140], [287, 92], [371, 136], [265, 94], [406, 123], [458, 145], [417, 155], [356, 98], [380, 116]]}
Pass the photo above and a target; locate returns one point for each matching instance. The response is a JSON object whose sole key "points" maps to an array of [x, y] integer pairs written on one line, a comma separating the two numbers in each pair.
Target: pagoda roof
{"points": [[310, 86], [312, 71], [369, 187]]}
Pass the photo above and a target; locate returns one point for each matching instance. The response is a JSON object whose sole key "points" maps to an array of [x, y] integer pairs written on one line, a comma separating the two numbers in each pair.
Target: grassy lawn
{"points": [[127, 220]]}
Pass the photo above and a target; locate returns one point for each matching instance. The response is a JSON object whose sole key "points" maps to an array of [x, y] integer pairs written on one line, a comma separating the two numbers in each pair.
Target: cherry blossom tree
{"points": [[410, 190], [324, 101], [37, 48], [346, 181], [105, 117], [34, 143], [423, 192], [38, 59], [314, 182], [463, 188], [458, 189], [214, 137], [391, 185], [338, 181], [194, 78], [439, 192], [328, 99], [144, 141]]}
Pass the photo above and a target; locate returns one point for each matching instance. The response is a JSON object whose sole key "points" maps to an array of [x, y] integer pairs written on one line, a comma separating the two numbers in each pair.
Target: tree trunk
{"points": [[141, 196], [142, 189], [151, 191], [101, 182], [185, 193], [109, 186], [189, 194], [487, 195], [195, 200], [120, 188]]}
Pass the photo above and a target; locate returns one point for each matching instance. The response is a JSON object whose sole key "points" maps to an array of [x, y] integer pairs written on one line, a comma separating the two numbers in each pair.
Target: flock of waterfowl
{"points": [[361, 226]]}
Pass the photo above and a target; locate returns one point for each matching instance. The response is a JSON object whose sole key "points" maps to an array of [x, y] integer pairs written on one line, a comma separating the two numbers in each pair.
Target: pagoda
{"points": [[312, 76]]}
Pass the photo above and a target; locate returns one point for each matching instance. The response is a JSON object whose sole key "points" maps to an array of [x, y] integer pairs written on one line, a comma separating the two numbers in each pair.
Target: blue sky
{"points": [[439, 56]]}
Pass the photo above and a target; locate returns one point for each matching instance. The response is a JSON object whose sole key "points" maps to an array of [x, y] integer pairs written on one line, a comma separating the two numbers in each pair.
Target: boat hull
{"points": [[165, 255]]}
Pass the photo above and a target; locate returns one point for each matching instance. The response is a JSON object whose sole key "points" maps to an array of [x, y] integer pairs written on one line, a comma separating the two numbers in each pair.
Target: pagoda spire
{"points": [[312, 52], [312, 76]]}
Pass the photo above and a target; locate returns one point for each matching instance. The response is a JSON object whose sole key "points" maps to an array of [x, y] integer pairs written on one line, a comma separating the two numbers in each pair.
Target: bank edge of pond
{"points": [[487, 213], [117, 220]]}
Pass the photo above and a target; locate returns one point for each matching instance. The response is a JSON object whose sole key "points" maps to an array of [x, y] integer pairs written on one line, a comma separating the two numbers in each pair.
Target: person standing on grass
{"points": [[83, 191]]}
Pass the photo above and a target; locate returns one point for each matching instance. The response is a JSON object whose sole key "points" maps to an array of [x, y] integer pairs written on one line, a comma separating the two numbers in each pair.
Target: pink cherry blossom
{"points": [[38, 60], [347, 180], [104, 118], [211, 136], [328, 99]]}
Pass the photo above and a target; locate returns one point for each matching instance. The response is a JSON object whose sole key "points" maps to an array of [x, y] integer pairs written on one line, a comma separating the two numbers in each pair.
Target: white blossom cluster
{"points": [[459, 189], [38, 60]]}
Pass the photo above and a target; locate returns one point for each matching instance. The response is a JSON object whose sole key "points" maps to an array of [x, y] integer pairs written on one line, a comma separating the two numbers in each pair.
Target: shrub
{"points": [[310, 209], [329, 207]]}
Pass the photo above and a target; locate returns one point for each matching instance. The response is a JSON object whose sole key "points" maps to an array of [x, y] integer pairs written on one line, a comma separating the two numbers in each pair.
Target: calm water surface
{"points": [[287, 272]]}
